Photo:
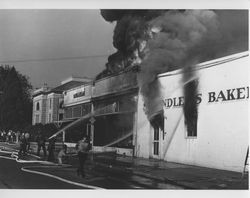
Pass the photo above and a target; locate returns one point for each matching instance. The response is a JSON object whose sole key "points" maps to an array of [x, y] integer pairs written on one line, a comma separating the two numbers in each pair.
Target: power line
{"points": [[53, 59]]}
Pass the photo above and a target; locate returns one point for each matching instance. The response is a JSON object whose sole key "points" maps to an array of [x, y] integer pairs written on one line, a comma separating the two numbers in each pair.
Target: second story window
{"points": [[61, 104], [37, 106], [191, 108], [50, 103]]}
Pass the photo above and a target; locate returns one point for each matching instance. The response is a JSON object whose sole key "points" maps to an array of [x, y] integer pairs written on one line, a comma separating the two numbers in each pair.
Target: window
{"points": [[37, 106], [50, 103], [77, 111], [68, 112], [86, 108], [190, 108], [60, 116], [60, 103], [156, 140]]}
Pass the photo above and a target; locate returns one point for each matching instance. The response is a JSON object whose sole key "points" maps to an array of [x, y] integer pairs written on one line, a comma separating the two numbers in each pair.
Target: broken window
{"points": [[190, 108]]}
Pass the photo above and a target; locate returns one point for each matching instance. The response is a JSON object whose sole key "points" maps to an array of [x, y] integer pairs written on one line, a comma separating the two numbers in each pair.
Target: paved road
{"points": [[13, 176]]}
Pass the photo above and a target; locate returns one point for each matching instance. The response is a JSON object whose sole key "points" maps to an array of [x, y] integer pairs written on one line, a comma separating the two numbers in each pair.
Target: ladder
{"points": [[246, 164]]}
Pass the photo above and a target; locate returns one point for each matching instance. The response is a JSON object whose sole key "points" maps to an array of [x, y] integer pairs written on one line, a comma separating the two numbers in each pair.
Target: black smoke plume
{"points": [[165, 40], [130, 31]]}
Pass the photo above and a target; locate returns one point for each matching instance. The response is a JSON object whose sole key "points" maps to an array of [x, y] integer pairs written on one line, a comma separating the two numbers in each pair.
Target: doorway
{"points": [[157, 135], [156, 142]]}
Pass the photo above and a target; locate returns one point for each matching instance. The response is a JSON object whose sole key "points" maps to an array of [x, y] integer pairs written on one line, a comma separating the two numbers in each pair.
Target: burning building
{"points": [[175, 89], [104, 110], [115, 108], [211, 129], [178, 55]]}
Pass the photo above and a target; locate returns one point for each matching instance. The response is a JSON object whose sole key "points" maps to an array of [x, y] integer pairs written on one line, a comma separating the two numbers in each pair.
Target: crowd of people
{"points": [[23, 139], [9, 136]]}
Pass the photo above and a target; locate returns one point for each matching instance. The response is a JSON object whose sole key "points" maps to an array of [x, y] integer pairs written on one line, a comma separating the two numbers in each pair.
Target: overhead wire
{"points": [[53, 59]]}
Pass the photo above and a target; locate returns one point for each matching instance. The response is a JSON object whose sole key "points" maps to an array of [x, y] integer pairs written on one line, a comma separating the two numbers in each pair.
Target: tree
{"points": [[15, 99]]}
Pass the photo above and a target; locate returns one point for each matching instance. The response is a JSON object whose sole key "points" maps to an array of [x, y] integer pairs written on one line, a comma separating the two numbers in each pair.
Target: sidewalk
{"points": [[185, 176]]}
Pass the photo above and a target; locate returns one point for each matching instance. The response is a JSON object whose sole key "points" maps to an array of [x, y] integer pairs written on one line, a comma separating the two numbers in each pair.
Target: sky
{"points": [[79, 39], [55, 34]]}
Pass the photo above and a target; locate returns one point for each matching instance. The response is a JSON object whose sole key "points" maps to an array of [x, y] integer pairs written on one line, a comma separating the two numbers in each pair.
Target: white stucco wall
{"points": [[143, 139], [222, 133]]}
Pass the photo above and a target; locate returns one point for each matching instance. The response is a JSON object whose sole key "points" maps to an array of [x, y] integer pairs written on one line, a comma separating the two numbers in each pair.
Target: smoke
{"points": [[130, 36], [165, 40], [179, 39]]}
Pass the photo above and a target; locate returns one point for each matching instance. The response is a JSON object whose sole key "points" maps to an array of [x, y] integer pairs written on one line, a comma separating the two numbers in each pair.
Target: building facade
{"points": [[48, 103], [115, 111], [215, 133]]}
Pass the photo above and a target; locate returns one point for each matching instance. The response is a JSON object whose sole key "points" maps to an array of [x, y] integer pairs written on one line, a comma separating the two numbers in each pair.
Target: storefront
{"points": [[115, 107]]}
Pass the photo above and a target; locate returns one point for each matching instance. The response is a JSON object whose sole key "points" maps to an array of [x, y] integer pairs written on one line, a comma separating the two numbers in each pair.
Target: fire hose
{"points": [[14, 156]]}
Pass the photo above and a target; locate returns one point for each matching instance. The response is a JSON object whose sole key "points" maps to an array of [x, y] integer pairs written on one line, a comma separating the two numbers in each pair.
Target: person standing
{"points": [[4, 136], [17, 136], [51, 150], [41, 144], [62, 154], [83, 149], [11, 136], [27, 137], [1, 135], [8, 135], [23, 145]]}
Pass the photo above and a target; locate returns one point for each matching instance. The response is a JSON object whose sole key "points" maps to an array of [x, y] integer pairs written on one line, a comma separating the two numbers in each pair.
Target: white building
{"points": [[40, 105], [219, 135], [48, 103]]}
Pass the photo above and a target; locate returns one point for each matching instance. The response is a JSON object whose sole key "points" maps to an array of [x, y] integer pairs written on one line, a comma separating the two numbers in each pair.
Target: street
{"points": [[35, 174]]}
